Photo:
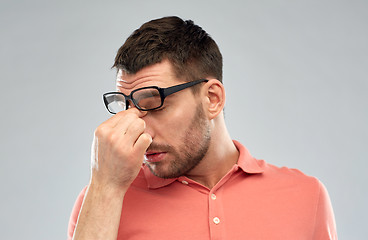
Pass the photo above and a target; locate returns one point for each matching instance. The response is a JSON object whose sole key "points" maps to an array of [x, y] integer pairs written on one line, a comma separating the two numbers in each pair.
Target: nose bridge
{"points": [[129, 103], [149, 124]]}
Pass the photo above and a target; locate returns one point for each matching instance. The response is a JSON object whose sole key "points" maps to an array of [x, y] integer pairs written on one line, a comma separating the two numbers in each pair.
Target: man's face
{"points": [[180, 130]]}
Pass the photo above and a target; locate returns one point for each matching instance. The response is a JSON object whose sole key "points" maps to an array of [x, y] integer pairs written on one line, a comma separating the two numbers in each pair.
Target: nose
{"points": [[149, 124], [129, 104]]}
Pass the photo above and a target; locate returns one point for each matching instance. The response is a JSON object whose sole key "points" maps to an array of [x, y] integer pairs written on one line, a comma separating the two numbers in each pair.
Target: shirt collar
{"points": [[246, 162]]}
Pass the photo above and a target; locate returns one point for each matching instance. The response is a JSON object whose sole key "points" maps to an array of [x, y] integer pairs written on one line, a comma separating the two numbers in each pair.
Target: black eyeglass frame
{"points": [[164, 92]]}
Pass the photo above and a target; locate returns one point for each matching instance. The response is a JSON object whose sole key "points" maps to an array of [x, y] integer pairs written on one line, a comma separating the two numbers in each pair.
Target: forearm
{"points": [[100, 213], [118, 151]]}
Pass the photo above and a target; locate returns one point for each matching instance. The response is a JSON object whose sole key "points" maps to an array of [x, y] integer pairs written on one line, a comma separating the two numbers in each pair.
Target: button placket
{"points": [[216, 214]]}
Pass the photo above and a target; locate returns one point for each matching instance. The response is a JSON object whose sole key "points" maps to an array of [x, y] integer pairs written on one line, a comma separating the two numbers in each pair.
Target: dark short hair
{"points": [[192, 52]]}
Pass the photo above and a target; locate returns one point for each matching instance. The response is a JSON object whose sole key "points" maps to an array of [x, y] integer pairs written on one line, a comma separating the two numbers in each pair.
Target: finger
{"points": [[111, 132], [124, 122], [135, 129], [114, 120], [142, 143]]}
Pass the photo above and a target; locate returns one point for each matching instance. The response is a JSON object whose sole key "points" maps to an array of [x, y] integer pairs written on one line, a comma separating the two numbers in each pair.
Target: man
{"points": [[165, 167]]}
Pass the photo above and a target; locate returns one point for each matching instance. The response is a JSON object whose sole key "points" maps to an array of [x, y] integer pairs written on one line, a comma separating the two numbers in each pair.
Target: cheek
{"points": [[173, 125]]}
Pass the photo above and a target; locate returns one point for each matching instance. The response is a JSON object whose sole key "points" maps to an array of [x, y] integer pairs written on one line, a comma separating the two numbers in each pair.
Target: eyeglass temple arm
{"points": [[177, 88]]}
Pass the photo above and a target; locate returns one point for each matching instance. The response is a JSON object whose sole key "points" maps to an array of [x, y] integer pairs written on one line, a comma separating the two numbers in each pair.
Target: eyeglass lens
{"points": [[144, 98], [147, 98]]}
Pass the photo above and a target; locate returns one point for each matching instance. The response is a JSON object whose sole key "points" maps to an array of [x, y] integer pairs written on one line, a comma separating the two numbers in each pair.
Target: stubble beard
{"points": [[193, 148]]}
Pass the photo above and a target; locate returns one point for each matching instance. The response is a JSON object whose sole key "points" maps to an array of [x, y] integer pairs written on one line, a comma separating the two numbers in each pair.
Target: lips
{"points": [[154, 156]]}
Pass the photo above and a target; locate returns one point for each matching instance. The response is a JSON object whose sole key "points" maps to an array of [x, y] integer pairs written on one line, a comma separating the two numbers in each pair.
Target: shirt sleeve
{"points": [[75, 213], [325, 226]]}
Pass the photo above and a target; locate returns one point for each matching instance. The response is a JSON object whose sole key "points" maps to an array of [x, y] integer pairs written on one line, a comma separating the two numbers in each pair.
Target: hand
{"points": [[118, 149]]}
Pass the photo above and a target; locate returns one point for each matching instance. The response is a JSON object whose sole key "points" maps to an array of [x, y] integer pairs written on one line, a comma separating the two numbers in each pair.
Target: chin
{"points": [[161, 173]]}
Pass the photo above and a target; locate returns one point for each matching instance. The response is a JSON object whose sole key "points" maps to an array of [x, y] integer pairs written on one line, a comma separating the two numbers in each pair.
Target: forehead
{"points": [[159, 74]]}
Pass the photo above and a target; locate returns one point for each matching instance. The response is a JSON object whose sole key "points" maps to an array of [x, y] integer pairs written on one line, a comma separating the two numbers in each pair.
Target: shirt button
{"points": [[216, 220], [184, 182], [213, 196]]}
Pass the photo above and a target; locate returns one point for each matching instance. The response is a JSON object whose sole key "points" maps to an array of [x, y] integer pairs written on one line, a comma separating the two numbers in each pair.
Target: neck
{"points": [[220, 158]]}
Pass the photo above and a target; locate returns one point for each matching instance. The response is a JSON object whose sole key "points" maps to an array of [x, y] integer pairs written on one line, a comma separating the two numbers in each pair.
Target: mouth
{"points": [[154, 156]]}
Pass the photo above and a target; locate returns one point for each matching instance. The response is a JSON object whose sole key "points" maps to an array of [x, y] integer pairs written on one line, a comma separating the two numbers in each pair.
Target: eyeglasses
{"points": [[145, 99]]}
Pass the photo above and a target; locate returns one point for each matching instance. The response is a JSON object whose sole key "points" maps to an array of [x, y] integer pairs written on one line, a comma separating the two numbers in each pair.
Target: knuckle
{"points": [[137, 126], [113, 137], [100, 131], [141, 123], [131, 114]]}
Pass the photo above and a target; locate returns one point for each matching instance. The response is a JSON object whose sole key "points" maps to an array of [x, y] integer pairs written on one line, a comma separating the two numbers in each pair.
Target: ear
{"points": [[214, 93]]}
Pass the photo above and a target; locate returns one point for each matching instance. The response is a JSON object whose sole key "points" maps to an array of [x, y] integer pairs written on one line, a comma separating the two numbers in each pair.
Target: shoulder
{"points": [[291, 187], [289, 180], [288, 174]]}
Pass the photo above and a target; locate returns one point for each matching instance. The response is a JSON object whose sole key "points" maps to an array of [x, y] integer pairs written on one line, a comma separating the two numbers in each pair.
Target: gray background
{"points": [[295, 74]]}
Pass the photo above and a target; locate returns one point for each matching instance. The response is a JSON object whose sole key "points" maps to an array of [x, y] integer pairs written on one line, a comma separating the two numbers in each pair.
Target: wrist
{"points": [[108, 191]]}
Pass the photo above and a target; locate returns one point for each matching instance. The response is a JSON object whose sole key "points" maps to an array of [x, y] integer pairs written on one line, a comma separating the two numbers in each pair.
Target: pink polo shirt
{"points": [[254, 200]]}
